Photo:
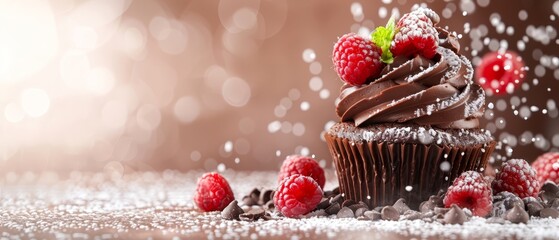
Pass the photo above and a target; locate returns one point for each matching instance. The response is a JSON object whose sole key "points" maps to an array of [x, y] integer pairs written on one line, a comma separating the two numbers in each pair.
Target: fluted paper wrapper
{"points": [[379, 173]]}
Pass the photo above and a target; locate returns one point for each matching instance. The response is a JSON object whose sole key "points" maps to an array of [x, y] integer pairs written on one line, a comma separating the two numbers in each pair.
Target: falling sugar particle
{"points": [[409, 188]]}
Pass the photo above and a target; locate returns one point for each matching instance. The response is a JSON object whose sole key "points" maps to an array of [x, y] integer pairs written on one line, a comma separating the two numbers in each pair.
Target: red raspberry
{"points": [[416, 35], [305, 166], [213, 192], [297, 195], [356, 60], [500, 72], [547, 167], [518, 177], [470, 191]]}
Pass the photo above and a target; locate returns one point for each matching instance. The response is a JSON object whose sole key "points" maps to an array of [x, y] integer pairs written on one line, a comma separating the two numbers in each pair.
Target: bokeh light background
{"points": [[120, 85]]}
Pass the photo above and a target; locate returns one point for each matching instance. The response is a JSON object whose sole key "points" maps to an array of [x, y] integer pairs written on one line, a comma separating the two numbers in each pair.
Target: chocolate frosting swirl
{"points": [[438, 92]]}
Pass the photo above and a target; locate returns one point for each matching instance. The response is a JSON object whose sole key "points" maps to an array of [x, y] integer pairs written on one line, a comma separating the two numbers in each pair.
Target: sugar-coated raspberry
{"points": [[518, 177], [297, 195], [305, 166], [213, 192], [500, 72], [470, 191], [547, 167], [356, 60], [416, 35]]}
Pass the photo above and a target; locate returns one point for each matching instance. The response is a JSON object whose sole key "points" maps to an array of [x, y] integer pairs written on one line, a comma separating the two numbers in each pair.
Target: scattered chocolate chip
{"points": [[337, 199], [359, 212], [455, 215], [248, 201], [333, 209], [348, 203], [255, 194], [252, 215], [440, 210], [497, 220], [549, 213], [317, 213], [373, 215], [345, 212], [429, 205], [499, 209], [517, 215], [266, 196], [412, 215], [554, 203], [534, 208], [549, 191], [336, 190], [266, 217], [232, 211], [511, 199], [324, 203], [401, 206], [378, 209], [269, 205], [358, 205], [390, 213]]}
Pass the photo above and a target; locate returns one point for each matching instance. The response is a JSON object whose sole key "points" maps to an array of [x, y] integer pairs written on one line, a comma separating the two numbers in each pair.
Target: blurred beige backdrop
{"points": [[151, 85]]}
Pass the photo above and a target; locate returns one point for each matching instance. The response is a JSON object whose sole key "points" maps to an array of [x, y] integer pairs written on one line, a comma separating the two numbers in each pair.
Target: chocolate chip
{"points": [[554, 203], [248, 201], [534, 208], [455, 215], [390, 213], [333, 209], [499, 209], [373, 215], [434, 201], [266, 196], [358, 205], [497, 220], [337, 199], [336, 190], [266, 217], [269, 205], [378, 209], [232, 211], [517, 215], [348, 203], [345, 212], [510, 200], [549, 213], [255, 194], [324, 203], [549, 191], [412, 215], [252, 215], [440, 210], [359, 212], [401, 206], [317, 213]]}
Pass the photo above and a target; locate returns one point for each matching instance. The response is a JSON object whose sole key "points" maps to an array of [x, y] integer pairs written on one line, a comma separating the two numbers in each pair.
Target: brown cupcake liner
{"points": [[379, 173]]}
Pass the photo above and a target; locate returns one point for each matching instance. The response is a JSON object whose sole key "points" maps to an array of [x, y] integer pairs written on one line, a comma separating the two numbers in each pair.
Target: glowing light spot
{"points": [[245, 18], [148, 117], [236, 92], [187, 109], [35, 102], [13, 113], [100, 81], [309, 55]]}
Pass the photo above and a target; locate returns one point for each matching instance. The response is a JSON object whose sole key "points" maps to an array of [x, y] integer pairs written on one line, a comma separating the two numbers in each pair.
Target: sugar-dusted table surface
{"points": [[154, 205]]}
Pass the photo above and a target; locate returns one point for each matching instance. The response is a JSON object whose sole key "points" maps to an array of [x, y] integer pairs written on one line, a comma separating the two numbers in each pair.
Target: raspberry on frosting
{"points": [[356, 60], [416, 35]]}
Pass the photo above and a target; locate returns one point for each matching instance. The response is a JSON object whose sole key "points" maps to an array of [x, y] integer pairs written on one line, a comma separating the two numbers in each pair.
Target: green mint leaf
{"points": [[382, 37]]}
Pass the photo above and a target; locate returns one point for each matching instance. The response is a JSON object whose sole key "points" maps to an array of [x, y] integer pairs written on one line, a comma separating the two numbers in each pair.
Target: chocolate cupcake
{"points": [[413, 128]]}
